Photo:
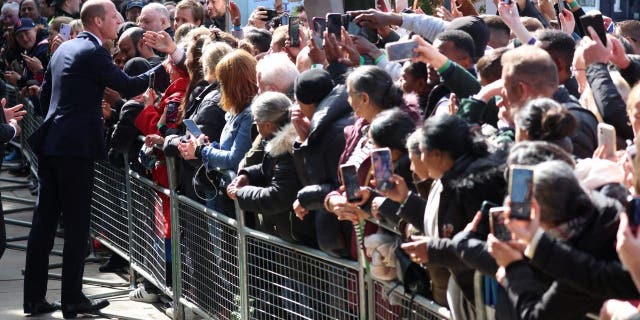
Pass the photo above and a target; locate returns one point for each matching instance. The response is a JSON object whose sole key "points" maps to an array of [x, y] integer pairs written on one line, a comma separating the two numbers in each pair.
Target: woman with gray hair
{"points": [[569, 240], [270, 188]]}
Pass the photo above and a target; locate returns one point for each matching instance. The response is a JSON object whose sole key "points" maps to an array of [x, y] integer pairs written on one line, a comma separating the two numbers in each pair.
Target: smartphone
{"points": [[496, 224], [152, 80], [319, 25], [558, 10], [382, 168], [595, 21], [521, 191], [350, 182], [172, 112], [192, 128], [352, 27], [271, 13], [633, 212], [607, 137], [334, 22], [294, 32], [65, 31], [401, 50], [483, 226]]}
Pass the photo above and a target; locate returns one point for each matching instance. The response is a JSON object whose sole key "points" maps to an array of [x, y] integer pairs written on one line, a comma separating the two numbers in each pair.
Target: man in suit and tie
{"points": [[69, 141]]}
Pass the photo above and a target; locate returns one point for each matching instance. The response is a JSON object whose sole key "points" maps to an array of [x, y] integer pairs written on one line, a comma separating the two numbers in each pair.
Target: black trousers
{"points": [[3, 233], [66, 185]]}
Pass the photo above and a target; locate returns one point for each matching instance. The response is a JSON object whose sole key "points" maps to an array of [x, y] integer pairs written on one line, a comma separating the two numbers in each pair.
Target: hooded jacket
{"points": [[273, 187]]}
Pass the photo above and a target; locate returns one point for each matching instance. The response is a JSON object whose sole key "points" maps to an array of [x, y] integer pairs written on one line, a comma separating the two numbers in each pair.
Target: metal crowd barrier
{"points": [[223, 270]]}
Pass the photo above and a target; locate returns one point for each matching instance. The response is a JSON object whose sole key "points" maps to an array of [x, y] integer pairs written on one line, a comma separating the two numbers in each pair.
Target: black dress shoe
{"points": [[88, 306], [114, 264], [39, 307]]}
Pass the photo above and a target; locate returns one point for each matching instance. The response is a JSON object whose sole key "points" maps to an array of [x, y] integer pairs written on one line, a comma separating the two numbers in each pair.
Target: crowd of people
{"points": [[285, 111]]}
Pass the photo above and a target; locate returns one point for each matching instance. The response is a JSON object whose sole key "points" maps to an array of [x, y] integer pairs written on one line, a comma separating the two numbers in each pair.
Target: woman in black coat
{"points": [[320, 121], [270, 188]]}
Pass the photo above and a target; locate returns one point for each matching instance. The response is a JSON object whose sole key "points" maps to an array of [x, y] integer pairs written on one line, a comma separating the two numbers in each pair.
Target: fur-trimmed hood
{"points": [[282, 141]]}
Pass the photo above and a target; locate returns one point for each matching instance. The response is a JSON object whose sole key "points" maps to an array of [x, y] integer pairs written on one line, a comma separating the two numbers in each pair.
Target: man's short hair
{"points": [[460, 39], [533, 66], [558, 44], [489, 66], [496, 23], [259, 38], [531, 24], [197, 10], [135, 33], [276, 69], [92, 9], [629, 29]]}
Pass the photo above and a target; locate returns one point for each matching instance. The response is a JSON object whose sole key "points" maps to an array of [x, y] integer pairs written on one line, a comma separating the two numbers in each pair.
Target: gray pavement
{"points": [[11, 279]]}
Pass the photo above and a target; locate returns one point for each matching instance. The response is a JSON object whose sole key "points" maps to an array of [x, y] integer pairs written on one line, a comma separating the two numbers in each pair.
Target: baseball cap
{"points": [[23, 24], [134, 4]]}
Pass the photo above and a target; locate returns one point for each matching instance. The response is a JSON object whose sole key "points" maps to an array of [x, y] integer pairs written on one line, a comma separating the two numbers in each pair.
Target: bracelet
{"points": [[174, 50], [404, 203], [237, 28], [317, 66], [378, 59], [326, 203], [362, 60], [573, 4], [160, 125]]}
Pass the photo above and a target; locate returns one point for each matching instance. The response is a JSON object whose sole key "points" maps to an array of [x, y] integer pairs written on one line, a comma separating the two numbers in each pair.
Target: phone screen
{"points": [[498, 229], [400, 51], [334, 22], [319, 25], [192, 128], [520, 191], [382, 168], [294, 32], [350, 181]]}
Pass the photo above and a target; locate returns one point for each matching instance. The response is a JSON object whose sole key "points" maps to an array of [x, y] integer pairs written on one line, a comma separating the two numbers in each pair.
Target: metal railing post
{"points": [[175, 240], [127, 183], [242, 262]]}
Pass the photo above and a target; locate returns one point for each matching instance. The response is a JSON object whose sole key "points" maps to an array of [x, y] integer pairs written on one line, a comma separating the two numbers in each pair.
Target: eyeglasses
{"points": [[574, 69]]}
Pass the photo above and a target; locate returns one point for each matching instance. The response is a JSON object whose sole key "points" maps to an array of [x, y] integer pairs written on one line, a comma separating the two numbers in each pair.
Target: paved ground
{"points": [[11, 279]]}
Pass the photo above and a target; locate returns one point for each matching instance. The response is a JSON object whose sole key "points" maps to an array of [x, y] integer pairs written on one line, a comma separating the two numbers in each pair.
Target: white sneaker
{"points": [[140, 294], [188, 313]]}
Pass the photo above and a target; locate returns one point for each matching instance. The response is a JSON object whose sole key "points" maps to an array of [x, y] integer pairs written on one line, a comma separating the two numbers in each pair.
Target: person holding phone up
{"points": [[569, 236]]}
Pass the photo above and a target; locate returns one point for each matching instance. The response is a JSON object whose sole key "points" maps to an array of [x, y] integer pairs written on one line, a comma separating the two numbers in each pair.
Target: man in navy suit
{"points": [[69, 141]]}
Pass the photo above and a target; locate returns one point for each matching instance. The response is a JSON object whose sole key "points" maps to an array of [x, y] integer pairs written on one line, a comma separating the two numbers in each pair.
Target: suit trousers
{"points": [[66, 185]]}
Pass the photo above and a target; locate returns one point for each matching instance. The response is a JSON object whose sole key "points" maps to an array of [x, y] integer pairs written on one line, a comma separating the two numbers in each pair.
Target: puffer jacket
{"points": [[273, 187]]}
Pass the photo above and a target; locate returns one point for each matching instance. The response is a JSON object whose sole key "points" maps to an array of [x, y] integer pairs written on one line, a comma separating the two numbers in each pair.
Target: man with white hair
{"points": [[276, 72], [155, 17], [9, 16]]}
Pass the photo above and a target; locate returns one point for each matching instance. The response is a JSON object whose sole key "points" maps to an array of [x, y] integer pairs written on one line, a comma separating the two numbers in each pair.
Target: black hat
{"points": [[312, 86], [476, 28]]}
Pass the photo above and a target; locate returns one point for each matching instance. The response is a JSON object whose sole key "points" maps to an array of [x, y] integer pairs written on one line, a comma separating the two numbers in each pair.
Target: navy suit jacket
{"points": [[72, 93]]}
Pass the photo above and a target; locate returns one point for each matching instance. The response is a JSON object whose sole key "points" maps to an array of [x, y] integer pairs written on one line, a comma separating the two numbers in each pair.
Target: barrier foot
{"points": [[18, 200]]}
